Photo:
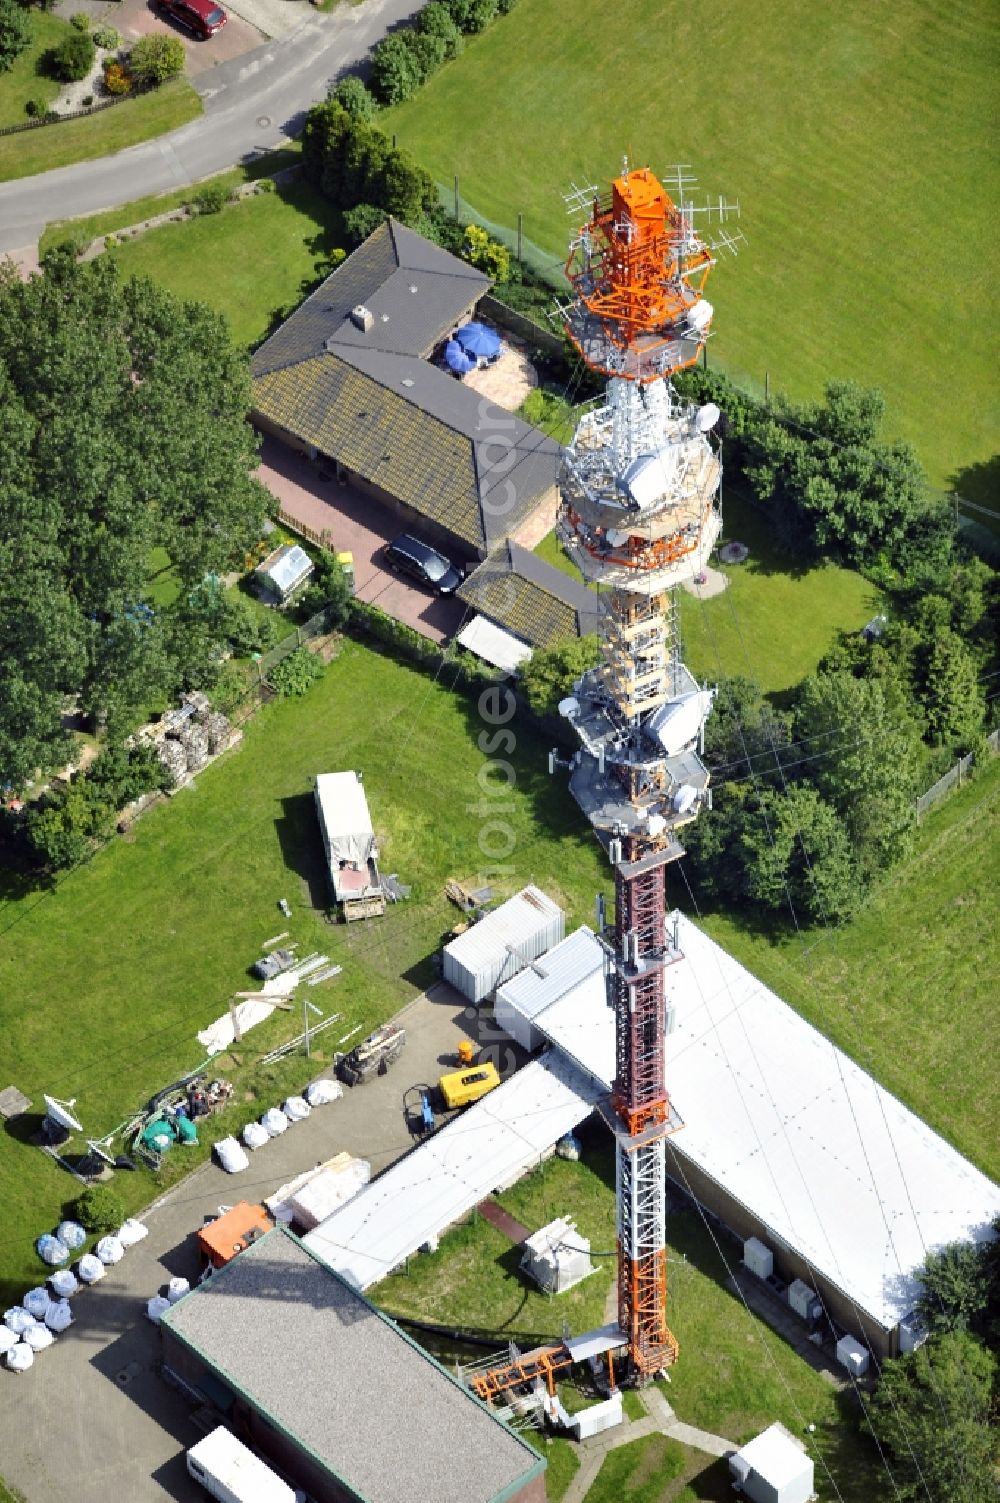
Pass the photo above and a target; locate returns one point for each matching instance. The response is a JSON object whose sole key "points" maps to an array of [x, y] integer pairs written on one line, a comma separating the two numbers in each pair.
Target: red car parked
{"points": [[201, 17]]}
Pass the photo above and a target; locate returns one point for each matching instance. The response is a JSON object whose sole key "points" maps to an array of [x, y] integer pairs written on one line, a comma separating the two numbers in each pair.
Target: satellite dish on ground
{"points": [[568, 707], [61, 1114], [707, 417]]}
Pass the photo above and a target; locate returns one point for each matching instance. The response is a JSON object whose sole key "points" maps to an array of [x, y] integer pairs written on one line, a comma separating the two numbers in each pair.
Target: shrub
{"points": [[396, 70], [485, 253], [362, 221], [73, 57], [436, 20], [107, 37], [117, 79], [100, 1209], [294, 674], [472, 15], [37, 106], [266, 185], [155, 58], [15, 32], [354, 96], [211, 199], [80, 20]]}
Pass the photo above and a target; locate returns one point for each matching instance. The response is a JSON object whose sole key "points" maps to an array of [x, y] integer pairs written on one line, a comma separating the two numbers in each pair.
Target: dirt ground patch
{"points": [[508, 380]]}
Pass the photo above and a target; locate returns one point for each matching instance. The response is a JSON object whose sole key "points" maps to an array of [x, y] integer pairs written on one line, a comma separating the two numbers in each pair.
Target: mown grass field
{"points": [[734, 1375], [857, 138], [774, 621], [172, 104]]}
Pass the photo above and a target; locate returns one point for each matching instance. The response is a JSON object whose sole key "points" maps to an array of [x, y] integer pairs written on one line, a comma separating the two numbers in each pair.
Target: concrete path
{"points": [[713, 583], [252, 104]]}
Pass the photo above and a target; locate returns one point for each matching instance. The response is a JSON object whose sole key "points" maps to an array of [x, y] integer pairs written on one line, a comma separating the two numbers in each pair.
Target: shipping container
{"points": [[232, 1474], [521, 1000], [503, 943]]}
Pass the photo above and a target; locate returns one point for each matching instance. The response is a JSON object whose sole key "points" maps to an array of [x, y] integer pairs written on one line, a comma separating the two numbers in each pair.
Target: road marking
{"points": [[173, 162]]}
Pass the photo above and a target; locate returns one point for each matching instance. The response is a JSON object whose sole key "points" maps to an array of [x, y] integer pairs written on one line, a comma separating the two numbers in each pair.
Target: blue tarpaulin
{"points": [[479, 340], [456, 359]]}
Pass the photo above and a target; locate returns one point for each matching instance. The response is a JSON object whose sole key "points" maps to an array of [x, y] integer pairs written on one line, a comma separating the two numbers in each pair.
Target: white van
{"points": [[232, 1474]]}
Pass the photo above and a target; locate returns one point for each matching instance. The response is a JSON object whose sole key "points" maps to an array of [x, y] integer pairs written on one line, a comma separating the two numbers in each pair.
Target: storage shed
{"points": [[773, 1468], [503, 943], [284, 571], [557, 1257], [349, 843]]}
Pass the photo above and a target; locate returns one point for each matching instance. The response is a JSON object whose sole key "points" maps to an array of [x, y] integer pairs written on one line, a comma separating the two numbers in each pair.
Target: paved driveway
{"points": [[137, 18], [93, 1419], [360, 526]]}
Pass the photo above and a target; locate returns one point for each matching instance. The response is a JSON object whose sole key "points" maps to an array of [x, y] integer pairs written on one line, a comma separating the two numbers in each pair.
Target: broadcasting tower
{"points": [[640, 514]]}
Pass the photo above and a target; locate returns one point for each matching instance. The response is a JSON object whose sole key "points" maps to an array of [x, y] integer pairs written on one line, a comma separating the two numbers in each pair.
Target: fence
{"points": [[314, 627], [953, 777], [52, 118], [519, 323], [321, 539]]}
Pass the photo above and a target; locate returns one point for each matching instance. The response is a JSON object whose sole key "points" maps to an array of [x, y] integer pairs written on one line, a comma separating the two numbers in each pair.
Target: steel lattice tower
{"points": [[640, 513]]}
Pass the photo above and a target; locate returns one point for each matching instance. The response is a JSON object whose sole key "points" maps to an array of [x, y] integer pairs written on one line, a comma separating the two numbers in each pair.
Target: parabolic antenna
{"points": [[568, 707], [60, 1113], [707, 417]]}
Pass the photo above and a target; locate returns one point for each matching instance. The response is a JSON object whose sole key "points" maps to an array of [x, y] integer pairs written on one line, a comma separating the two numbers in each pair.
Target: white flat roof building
{"points": [[786, 1137]]}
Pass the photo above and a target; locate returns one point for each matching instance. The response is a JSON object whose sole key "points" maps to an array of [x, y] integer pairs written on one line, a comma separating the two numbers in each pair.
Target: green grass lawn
{"points": [[774, 622], [105, 980], [859, 142], [22, 81], [734, 1375], [31, 151], [908, 988], [657, 1470], [264, 253]]}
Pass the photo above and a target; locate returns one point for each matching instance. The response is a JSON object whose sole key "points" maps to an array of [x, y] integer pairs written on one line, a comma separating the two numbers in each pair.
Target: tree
{"points": [[62, 831], [472, 15], [436, 20], [15, 32], [353, 164], [932, 1410], [124, 430], [550, 673], [485, 253], [155, 58], [362, 221], [954, 1289], [796, 856], [950, 691], [395, 70], [744, 734], [862, 746], [353, 96], [72, 58], [100, 1209]]}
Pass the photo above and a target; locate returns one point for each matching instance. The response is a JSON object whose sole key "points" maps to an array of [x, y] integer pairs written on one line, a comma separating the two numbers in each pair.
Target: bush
{"points": [[436, 20], [80, 20], [485, 253], [73, 58], [100, 1209], [354, 96], [15, 32], [107, 37], [550, 673], [247, 630], [117, 79], [37, 107], [396, 71], [294, 674], [472, 15], [211, 199], [155, 58], [362, 221]]}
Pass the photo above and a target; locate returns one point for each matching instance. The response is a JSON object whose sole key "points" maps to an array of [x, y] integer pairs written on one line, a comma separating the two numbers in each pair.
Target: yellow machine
{"points": [[464, 1086]]}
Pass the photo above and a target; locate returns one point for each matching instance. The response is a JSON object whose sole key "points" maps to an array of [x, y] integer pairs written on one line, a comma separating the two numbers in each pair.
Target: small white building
{"points": [[773, 1468], [576, 960], [349, 843], [284, 571], [503, 943], [557, 1257]]}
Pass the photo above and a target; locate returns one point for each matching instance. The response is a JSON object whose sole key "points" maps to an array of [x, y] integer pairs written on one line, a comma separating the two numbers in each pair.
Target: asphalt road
{"points": [[251, 104]]}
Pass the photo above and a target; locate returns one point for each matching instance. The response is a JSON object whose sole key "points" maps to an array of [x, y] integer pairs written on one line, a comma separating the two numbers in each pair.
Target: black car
{"points": [[408, 555]]}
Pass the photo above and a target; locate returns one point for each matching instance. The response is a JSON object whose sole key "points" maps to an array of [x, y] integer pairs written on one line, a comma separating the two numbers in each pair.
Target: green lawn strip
{"points": [[883, 112], [908, 988], [105, 980], [31, 151], [8, 1494], [563, 1462], [639, 1472], [23, 80], [265, 252], [553, 414], [107, 223]]}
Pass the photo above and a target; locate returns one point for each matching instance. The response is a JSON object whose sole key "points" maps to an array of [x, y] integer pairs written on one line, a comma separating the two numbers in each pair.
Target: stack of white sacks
{"points": [[276, 1120], [46, 1312]]}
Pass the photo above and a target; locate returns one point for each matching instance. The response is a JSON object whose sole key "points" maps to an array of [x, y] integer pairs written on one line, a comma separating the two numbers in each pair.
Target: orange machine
{"points": [[229, 1234]]}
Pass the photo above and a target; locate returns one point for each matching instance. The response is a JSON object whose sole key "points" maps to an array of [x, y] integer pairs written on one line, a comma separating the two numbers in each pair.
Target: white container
{"points": [[503, 943], [232, 1474], [852, 1355], [176, 1289], [758, 1257], [801, 1298], [598, 1417], [560, 970]]}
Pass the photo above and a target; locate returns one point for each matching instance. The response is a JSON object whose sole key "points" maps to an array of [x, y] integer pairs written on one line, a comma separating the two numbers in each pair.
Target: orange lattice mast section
{"points": [[640, 514]]}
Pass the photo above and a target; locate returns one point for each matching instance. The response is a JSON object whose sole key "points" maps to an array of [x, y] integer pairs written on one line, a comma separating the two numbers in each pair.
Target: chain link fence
{"points": [[316, 626], [954, 777]]}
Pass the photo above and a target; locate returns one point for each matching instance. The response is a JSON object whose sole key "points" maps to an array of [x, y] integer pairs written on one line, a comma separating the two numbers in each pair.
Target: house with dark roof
{"points": [[303, 1368], [529, 598], [349, 378]]}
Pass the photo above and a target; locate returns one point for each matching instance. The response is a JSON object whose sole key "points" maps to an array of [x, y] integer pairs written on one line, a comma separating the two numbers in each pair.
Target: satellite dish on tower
{"points": [[684, 798], [568, 707], [707, 417], [61, 1113]]}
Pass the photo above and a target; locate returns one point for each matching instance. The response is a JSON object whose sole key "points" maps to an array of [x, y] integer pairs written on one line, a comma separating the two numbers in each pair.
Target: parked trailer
{"points": [[232, 1474], [350, 845]]}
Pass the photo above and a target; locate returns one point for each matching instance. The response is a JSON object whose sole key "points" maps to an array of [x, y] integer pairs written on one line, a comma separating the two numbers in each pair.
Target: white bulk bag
{"points": [[89, 1269], [51, 1250], [176, 1289], [274, 1122], [7, 1339], [231, 1156], [131, 1231], [72, 1233], [323, 1091], [18, 1319], [37, 1301], [296, 1109], [110, 1251], [38, 1338], [59, 1315], [64, 1283], [19, 1358], [156, 1307], [255, 1136]]}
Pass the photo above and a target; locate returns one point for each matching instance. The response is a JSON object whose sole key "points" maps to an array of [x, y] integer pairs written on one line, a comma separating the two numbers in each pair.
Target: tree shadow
{"points": [[979, 482]]}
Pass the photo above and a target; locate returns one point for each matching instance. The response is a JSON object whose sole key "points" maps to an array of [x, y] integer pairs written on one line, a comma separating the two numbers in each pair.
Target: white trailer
{"points": [[232, 1474], [350, 845]]}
